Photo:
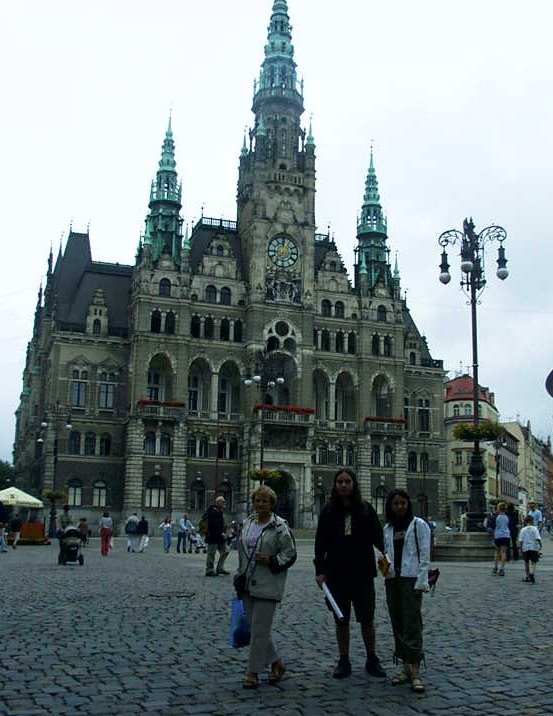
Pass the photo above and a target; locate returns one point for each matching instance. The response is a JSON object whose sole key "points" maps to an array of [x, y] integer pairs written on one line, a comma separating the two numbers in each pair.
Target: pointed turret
{"points": [[372, 235], [163, 231]]}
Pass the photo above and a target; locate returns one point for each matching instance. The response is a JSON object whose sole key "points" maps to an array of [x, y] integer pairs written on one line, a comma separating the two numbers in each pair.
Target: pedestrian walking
{"points": [[405, 566], [15, 528], [216, 539], [131, 530], [266, 550], [347, 533], [512, 514], [185, 526], [143, 530], [502, 539], [530, 545], [535, 513], [3, 537], [106, 530], [167, 527]]}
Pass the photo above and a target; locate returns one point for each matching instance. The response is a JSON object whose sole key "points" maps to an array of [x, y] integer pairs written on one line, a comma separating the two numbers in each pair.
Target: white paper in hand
{"points": [[335, 608]]}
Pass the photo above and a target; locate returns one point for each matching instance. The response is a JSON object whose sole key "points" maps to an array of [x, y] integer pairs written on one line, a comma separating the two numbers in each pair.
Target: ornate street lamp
{"points": [[473, 282], [263, 384]]}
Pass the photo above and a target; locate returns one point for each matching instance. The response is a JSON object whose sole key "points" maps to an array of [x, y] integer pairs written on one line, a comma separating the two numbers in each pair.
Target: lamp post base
{"points": [[477, 493]]}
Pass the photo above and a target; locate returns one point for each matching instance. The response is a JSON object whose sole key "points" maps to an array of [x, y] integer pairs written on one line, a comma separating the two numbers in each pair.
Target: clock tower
{"points": [[276, 185]]}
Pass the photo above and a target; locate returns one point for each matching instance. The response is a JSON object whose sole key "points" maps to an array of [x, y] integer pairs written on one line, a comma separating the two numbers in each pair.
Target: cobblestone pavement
{"points": [[148, 634]]}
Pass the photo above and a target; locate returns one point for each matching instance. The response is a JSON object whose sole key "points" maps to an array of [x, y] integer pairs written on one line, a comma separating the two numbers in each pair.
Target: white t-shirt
{"points": [[529, 538], [536, 514], [253, 535]]}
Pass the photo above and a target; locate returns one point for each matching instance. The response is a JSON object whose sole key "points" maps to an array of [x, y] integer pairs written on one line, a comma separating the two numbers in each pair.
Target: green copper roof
{"points": [[310, 138], [372, 217]]}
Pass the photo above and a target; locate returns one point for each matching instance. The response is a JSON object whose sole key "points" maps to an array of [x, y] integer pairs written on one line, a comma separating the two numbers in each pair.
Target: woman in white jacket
{"points": [[407, 547]]}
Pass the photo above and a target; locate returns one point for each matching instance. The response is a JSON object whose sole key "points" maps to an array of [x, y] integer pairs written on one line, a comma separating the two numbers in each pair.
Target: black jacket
{"points": [[215, 526], [143, 527], [340, 556]]}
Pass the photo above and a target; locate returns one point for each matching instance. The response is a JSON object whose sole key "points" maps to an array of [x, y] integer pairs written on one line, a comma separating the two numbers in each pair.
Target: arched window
{"points": [[99, 494], [381, 314], [226, 296], [375, 456], [424, 462], [74, 447], [339, 455], [195, 326], [323, 455], [238, 331], [204, 447], [351, 344], [412, 462], [165, 444], [105, 444], [468, 409], [106, 391], [211, 294], [90, 443], [165, 287], [96, 327], [74, 493], [326, 308], [78, 388], [387, 346], [332, 266], [224, 330], [150, 443], [412, 358], [456, 411], [273, 344], [155, 326], [233, 449], [197, 495], [388, 456], [339, 342], [325, 341], [350, 456], [424, 415], [209, 328], [170, 323], [221, 449], [155, 493], [376, 345], [191, 447], [380, 497], [339, 309]]}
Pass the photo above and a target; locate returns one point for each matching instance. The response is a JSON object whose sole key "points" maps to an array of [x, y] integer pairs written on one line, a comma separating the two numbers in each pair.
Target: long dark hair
{"points": [[390, 514], [335, 502]]}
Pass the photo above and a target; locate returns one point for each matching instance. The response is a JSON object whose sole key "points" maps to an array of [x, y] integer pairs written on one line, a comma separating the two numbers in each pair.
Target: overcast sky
{"points": [[457, 97]]}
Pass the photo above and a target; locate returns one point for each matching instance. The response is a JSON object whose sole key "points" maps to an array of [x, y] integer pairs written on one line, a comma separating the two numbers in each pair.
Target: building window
{"points": [[211, 294], [339, 342], [458, 457], [350, 456], [165, 287], [424, 462], [326, 308], [226, 296], [74, 447], [221, 449], [233, 449], [209, 328], [106, 391], [325, 341], [105, 444], [99, 494], [339, 309], [155, 493], [412, 358], [195, 327], [375, 456], [458, 483], [154, 380], [424, 416], [197, 496], [165, 444], [456, 411], [170, 323], [155, 324], [388, 456], [224, 330], [351, 344], [339, 455], [90, 443], [412, 462], [75, 493], [96, 327], [191, 447], [150, 443], [468, 409], [219, 250], [78, 388], [381, 314], [387, 346], [238, 331], [204, 447]]}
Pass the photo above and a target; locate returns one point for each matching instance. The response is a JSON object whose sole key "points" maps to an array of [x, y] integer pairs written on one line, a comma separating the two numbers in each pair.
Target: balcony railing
{"points": [[382, 424], [286, 414], [169, 410]]}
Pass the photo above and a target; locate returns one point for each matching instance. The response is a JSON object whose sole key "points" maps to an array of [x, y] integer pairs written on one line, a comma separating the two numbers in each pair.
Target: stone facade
{"points": [[243, 345]]}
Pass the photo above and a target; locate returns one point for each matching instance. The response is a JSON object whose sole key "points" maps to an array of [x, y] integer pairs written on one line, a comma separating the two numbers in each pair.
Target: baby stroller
{"points": [[71, 547], [198, 542]]}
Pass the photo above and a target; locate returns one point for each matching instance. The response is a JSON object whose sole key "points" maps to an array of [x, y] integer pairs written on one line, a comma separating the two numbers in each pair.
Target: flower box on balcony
{"points": [[382, 419], [285, 408]]}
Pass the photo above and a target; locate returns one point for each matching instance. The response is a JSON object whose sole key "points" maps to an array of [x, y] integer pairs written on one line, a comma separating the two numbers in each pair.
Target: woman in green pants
{"points": [[407, 548]]}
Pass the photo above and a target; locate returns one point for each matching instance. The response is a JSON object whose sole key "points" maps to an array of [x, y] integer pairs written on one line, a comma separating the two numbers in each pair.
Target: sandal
{"points": [[417, 686], [277, 672], [401, 678], [250, 681]]}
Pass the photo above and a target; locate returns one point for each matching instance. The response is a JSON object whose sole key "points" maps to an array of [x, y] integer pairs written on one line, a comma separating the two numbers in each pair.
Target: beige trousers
{"points": [[260, 613]]}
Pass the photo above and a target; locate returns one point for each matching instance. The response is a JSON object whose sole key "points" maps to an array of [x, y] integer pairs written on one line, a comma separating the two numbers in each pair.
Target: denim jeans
{"points": [[166, 540]]}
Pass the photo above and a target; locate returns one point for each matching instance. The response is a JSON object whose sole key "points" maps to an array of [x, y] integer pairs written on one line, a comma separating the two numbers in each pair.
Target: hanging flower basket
{"points": [[484, 432], [54, 495], [262, 475]]}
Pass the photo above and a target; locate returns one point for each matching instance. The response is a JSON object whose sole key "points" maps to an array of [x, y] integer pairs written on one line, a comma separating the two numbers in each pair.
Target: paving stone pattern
{"points": [[148, 634]]}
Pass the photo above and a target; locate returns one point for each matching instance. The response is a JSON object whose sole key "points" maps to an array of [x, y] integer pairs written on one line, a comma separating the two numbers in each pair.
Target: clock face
{"points": [[283, 252]]}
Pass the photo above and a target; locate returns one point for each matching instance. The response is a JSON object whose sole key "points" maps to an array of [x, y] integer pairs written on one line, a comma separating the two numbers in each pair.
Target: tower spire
{"points": [[372, 216]]}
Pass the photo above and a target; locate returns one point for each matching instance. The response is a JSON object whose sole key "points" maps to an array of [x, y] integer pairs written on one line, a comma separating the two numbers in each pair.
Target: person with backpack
{"points": [[347, 533], [266, 550], [405, 567], [131, 530], [216, 538]]}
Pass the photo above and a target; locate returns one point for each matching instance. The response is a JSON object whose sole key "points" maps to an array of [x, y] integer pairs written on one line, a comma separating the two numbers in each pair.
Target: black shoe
{"points": [[211, 574], [222, 571], [343, 668], [373, 667], [532, 579]]}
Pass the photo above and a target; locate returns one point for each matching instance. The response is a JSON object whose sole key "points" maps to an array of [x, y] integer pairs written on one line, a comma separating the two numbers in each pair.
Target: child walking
{"points": [[530, 544]]}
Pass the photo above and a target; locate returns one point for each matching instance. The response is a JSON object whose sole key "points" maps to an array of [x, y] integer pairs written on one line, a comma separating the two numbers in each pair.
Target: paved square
{"points": [[148, 634]]}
